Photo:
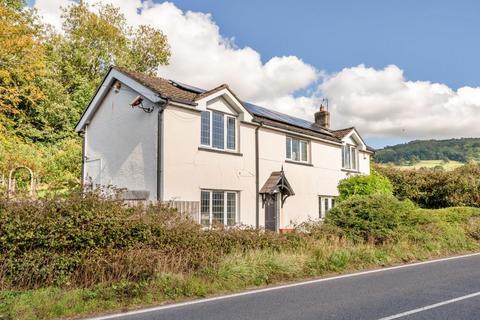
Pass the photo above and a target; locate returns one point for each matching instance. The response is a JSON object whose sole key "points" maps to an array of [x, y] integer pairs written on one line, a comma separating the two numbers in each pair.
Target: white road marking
{"points": [[432, 306], [234, 295]]}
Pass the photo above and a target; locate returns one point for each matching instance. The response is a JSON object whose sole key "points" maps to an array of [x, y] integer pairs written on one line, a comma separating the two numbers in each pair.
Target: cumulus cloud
{"points": [[383, 103], [379, 103], [201, 56]]}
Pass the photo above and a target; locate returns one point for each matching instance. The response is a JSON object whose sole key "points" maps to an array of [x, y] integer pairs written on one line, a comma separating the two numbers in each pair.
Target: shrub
{"points": [[430, 188], [364, 185], [82, 240], [375, 218]]}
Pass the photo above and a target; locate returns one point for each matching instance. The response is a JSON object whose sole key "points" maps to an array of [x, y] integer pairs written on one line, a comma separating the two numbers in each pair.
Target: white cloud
{"points": [[384, 103], [51, 10], [378, 102]]}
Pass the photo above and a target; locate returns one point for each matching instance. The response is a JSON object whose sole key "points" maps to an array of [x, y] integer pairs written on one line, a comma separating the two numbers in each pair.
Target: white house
{"points": [[241, 163]]}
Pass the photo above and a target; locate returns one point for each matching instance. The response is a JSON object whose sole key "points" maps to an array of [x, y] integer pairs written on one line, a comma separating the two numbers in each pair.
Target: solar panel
{"points": [[188, 87], [264, 112], [274, 115]]}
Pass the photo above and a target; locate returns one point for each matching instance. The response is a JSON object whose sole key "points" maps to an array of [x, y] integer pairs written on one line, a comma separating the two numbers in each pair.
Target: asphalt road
{"points": [[445, 289]]}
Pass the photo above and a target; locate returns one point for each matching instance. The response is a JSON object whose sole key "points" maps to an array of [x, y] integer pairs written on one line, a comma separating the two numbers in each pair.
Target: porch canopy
{"points": [[276, 183]]}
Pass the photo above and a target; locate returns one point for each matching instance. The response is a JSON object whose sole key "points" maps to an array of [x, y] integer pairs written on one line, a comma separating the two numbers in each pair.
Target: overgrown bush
{"points": [[82, 240], [82, 255], [364, 185], [376, 218], [431, 188]]}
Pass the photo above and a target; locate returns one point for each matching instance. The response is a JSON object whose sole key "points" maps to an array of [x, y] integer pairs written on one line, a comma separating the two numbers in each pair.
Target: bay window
{"points": [[218, 130], [218, 207], [296, 149]]}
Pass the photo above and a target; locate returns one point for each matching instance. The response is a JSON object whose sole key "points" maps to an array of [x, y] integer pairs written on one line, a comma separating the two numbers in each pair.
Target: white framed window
{"points": [[297, 149], [218, 130], [218, 207], [349, 157], [325, 203]]}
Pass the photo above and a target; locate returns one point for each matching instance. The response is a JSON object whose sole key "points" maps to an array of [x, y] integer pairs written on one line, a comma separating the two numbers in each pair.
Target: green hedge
{"points": [[433, 188], [375, 218], [57, 241]]}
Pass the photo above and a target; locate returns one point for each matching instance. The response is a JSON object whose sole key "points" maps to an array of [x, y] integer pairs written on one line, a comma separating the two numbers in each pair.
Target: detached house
{"points": [[238, 162]]}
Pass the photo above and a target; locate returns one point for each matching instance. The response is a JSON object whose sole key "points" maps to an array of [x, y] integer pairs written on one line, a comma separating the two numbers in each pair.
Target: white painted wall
{"points": [[308, 182], [364, 162], [188, 169], [122, 143]]}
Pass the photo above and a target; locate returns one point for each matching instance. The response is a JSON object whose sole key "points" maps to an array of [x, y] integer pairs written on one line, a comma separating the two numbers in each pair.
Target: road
{"points": [[442, 289]]}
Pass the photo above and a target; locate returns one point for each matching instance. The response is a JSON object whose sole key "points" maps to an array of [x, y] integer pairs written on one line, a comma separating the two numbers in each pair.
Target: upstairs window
{"points": [[297, 149], [218, 130], [349, 157]]}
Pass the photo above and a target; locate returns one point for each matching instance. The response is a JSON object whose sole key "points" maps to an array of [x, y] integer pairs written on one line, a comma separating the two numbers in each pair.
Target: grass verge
{"points": [[318, 250]]}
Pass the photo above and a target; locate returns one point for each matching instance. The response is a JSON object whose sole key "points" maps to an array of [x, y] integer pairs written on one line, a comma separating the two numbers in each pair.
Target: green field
{"points": [[450, 165]]}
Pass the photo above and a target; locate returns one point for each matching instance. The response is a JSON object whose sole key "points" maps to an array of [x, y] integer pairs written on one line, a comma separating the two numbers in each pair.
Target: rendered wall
{"points": [[188, 169], [308, 182], [123, 141]]}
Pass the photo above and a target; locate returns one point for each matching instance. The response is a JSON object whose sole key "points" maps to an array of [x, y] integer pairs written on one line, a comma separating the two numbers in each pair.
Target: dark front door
{"points": [[271, 213]]}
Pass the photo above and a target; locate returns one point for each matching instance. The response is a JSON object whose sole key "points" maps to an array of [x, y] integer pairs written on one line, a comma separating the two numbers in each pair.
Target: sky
{"points": [[396, 70]]}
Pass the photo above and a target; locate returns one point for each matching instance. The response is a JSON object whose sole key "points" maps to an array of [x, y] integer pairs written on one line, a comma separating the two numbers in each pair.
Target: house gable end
{"points": [[229, 97], [354, 136], [107, 84]]}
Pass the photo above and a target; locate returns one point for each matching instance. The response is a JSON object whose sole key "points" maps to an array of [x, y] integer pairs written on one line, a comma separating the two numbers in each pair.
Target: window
{"points": [[349, 157], [218, 207], [205, 130], [325, 203], [296, 149], [218, 130], [205, 208], [231, 133]]}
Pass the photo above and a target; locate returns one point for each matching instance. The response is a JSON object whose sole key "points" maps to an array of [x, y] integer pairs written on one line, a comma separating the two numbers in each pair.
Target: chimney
{"points": [[322, 117]]}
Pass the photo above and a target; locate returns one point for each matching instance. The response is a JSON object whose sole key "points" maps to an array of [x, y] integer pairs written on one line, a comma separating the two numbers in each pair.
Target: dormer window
{"points": [[218, 130], [297, 149], [350, 157]]}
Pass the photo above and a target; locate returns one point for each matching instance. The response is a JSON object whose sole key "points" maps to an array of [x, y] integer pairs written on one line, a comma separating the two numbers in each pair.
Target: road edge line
{"points": [[274, 288]]}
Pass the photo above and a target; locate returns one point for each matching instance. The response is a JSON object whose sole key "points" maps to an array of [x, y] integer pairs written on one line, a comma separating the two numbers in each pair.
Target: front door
{"points": [[271, 212]]}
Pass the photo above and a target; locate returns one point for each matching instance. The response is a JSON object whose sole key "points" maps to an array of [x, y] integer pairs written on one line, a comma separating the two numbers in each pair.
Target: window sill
{"points": [[350, 170], [233, 153], [300, 163]]}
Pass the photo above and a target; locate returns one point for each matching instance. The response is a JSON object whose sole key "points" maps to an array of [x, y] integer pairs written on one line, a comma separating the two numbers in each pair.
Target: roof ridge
{"points": [[348, 128]]}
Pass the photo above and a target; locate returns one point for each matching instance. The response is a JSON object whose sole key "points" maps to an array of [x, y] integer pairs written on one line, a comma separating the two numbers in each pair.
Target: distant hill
{"points": [[462, 150]]}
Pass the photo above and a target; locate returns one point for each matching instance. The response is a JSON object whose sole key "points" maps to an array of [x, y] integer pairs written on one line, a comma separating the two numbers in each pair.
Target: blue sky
{"points": [[396, 70], [437, 41]]}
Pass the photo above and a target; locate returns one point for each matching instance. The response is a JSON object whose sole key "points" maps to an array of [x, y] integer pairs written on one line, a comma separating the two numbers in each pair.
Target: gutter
{"points": [[257, 178], [162, 105]]}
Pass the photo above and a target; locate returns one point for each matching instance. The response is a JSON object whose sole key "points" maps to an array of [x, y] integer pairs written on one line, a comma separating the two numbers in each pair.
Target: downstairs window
{"points": [[218, 207], [325, 203]]}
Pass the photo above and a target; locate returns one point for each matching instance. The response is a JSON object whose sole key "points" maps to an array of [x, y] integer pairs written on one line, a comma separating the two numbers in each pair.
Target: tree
{"points": [[47, 78], [92, 42], [22, 60]]}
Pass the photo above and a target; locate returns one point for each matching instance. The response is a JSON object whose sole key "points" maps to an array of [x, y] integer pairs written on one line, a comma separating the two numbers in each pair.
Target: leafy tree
{"points": [[47, 78], [22, 61], [463, 150], [92, 42]]}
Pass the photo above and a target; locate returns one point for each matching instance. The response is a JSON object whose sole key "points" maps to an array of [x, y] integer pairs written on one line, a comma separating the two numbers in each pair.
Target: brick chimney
{"points": [[322, 117]]}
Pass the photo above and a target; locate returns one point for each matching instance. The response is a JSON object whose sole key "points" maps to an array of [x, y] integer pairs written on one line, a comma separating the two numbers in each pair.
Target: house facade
{"points": [[240, 163]]}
